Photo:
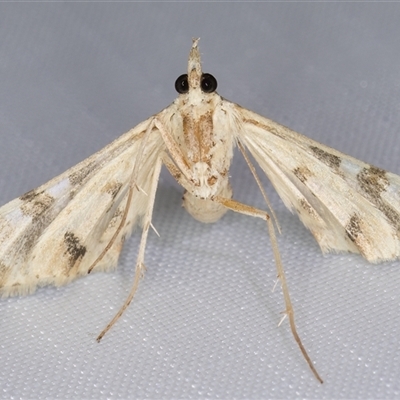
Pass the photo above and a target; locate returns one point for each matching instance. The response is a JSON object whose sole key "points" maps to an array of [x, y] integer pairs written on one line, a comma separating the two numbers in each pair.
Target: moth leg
{"points": [[140, 267], [254, 212], [257, 179], [171, 144], [132, 183]]}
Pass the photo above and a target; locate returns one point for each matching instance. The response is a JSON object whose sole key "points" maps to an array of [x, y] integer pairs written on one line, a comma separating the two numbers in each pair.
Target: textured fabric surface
{"points": [[204, 322]]}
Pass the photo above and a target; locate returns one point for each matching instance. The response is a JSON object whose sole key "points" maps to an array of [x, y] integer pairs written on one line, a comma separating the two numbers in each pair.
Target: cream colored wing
{"points": [[347, 204], [54, 233]]}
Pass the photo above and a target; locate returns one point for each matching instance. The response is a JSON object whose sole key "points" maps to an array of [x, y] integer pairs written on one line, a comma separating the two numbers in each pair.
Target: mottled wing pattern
{"points": [[347, 204], [54, 233]]}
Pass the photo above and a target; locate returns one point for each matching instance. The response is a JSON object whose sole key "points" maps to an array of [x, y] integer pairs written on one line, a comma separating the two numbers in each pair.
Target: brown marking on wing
{"points": [[74, 249], [353, 228], [329, 159], [112, 188], [77, 177], [270, 128], [373, 182], [302, 173], [28, 196], [306, 206], [36, 203]]}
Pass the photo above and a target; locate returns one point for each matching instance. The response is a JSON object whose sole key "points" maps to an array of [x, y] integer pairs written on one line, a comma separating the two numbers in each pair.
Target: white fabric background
{"points": [[204, 323]]}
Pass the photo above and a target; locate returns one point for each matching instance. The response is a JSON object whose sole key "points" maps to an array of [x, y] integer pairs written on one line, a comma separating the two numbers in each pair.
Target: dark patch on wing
{"points": [[391, 214], [306, 206], [302, 173], [327, 158], [373, 182], [113, 188], [77, 177], [28, 195], [74, 248], [353, 228], [36, 203]]}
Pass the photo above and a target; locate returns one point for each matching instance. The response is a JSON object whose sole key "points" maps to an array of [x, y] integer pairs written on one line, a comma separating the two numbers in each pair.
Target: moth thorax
{"points": [[207, 210]]}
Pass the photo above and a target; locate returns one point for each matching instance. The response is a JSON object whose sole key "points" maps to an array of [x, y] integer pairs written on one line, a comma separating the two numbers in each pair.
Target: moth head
{"points": [[195, 80]]}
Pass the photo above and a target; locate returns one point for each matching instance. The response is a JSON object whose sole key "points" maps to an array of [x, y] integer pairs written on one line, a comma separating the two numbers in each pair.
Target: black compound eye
{"points": [[182, 84], [208, 83]]}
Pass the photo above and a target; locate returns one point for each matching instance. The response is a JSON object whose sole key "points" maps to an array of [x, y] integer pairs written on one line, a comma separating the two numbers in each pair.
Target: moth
{"points": [[77, 223]]}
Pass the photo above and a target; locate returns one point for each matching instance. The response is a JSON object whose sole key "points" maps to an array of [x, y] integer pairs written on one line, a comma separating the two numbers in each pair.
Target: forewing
{"points": [[347, 204], [54, 233]]}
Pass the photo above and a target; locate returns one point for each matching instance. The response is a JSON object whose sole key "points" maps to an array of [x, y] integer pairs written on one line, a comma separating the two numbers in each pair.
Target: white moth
{"points": [[77, 223]]}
